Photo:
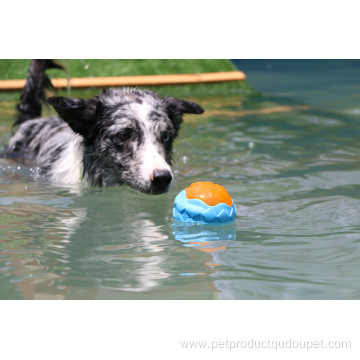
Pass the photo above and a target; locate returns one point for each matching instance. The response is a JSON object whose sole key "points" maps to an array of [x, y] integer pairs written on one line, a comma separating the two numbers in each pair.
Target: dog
{"points": [[122, 136]]}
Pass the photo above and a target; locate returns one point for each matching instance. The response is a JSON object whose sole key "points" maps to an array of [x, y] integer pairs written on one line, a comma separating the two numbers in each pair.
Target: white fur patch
{"points": [[151, 156], [151, 160], [68, 169]]}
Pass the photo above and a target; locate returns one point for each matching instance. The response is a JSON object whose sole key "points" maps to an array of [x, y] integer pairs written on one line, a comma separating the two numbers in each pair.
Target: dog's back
{"points": [[44, 139], [53, 146]]}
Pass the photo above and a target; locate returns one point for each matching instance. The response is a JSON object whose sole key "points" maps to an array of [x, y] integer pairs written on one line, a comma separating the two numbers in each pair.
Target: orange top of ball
{"points": [[210, 193]]}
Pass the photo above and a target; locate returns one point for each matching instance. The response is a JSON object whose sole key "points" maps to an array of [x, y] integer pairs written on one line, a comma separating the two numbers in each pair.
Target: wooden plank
{"points": [[146, 80]]}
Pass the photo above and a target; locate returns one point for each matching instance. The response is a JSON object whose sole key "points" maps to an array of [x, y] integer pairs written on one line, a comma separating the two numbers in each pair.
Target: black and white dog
{"points": [[122, 136]]}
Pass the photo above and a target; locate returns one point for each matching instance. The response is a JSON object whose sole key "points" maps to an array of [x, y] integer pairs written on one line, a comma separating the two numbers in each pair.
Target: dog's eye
{"points": [[125, 135], [165, 138]]}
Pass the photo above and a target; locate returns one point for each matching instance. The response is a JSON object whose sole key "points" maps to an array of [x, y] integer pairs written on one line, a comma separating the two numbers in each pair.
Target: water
{"points": [[293, 174]]}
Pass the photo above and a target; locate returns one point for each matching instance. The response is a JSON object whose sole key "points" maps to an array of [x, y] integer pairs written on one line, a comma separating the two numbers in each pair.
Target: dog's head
{"points": [[128, 136]]}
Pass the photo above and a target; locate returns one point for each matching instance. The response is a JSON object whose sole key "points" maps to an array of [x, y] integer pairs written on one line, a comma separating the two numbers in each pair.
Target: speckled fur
{"points": [[120, 136]]}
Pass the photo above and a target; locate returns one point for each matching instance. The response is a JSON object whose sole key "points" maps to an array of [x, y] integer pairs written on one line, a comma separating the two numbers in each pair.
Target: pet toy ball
{"points": [[204, 203]]}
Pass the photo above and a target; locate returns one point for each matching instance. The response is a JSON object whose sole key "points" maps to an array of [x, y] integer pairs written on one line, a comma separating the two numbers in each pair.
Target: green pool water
{"points": [[290, 158]]}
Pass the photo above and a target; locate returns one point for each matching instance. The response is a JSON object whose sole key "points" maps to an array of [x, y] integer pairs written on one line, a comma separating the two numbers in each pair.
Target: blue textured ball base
{"points": [[196, 211]]}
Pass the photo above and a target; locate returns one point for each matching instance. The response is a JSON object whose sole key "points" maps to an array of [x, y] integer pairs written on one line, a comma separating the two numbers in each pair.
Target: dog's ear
{"points": [[78, 113], [175, 109]]}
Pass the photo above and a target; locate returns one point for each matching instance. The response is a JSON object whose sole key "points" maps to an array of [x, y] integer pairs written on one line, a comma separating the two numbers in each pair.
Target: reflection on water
{"points": [[292, 169], [191, 234]]}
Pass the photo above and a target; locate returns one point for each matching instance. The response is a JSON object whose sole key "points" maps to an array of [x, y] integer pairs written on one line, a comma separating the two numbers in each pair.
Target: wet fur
{"points": [[120, 136]]}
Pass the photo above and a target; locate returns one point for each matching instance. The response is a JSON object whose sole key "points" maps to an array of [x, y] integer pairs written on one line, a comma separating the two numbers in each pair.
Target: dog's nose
{"points": [[161, 179]]}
